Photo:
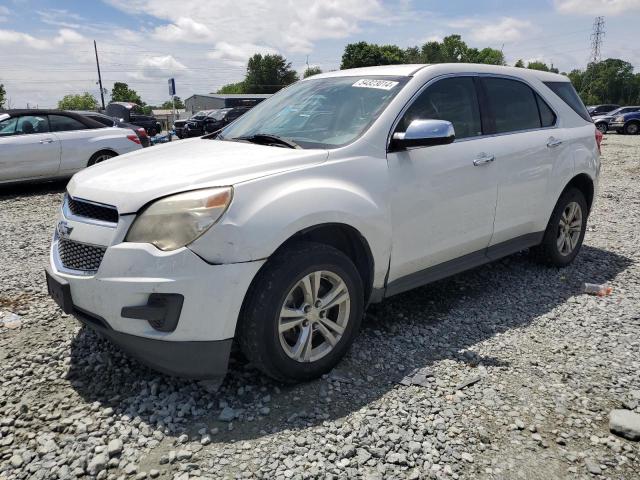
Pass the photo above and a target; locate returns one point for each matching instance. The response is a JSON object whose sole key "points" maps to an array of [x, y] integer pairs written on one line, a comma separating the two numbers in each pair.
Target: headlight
{"points": [[619, 119], [177, 220]]}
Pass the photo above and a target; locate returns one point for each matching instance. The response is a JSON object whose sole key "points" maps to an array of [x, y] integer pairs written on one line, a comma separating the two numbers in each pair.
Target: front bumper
{"points": [[616, 125], [128, 277]]}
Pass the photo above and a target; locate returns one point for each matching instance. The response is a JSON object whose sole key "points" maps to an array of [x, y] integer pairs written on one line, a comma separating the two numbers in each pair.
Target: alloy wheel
{"points": [[102, 158], [569, 228], [314, 316]]}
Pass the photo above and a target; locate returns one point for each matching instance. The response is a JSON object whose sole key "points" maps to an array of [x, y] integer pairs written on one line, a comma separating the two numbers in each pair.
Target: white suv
{"points": [[339, 191]]}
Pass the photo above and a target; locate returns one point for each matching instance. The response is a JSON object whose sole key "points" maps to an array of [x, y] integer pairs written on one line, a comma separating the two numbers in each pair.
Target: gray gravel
{"points": [[507, 372]]}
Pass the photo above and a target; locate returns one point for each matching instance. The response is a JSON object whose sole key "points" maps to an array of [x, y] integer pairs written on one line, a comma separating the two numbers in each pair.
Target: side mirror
{"points": [[424, 133]]}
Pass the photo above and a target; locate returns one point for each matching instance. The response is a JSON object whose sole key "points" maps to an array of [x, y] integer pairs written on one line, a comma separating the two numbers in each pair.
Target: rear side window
{"points": [[60, 123], [569, 95], [513, 104], [451, 99], [547, 117]]}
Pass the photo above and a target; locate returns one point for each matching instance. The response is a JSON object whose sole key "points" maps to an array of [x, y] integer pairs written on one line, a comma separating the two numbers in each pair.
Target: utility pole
{"points": [[95, 47], [597, 36]]}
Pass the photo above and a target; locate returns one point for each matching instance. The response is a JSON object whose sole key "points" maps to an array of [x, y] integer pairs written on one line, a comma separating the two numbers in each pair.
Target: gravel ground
{"points": [[506, 372]]}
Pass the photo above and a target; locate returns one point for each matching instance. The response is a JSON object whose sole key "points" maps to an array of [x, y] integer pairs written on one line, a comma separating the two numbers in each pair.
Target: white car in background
{"points": [[47, 144]]}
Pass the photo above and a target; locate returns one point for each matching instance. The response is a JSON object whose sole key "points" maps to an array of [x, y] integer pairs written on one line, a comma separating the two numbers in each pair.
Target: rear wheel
{"points": [[302, 312], [565, 232], [632, 128], [100, 157]]}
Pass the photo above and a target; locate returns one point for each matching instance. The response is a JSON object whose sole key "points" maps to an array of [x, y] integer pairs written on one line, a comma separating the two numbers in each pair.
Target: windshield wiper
{"points": [[267, 138]]}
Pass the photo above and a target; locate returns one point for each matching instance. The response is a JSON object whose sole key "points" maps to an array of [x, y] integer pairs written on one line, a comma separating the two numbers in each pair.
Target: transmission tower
{"points": [[596, 40], [597, 36]]}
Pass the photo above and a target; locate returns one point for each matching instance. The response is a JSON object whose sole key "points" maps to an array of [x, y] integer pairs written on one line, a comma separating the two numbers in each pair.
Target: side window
{"points": [[513, 105], [8, 126], [60, 123], [28, 124], [452, 99], [547, 117]]}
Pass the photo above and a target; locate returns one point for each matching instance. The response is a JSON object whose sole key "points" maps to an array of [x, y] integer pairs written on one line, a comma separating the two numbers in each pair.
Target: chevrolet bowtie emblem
{"points": [[63, 229]]}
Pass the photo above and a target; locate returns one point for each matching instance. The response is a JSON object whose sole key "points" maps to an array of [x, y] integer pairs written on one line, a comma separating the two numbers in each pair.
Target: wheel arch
{"points": [[91, 160], [584, 183]]}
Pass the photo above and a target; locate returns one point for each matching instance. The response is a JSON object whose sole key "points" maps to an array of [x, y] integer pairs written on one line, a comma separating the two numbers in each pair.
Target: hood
{"points": [[603, 117], [131, 181]]}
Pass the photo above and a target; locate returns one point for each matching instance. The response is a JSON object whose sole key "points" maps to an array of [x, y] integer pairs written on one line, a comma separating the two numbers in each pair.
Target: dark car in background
{"points": [[223, 117], [602, 121], [132, 113], [194, 126], [108, 121], [627, 123], [595, 110]]}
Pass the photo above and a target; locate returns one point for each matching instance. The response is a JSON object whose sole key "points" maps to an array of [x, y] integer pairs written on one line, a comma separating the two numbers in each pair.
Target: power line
{"points": [[596, 40]]}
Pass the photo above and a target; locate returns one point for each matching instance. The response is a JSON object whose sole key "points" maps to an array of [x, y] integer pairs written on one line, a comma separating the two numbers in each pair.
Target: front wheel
{"points": [[302, 312], [602, 127], [565, 232]]}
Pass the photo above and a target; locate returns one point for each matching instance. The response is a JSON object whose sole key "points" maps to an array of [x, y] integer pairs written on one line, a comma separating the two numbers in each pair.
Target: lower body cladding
{"points": [[170, 310]]}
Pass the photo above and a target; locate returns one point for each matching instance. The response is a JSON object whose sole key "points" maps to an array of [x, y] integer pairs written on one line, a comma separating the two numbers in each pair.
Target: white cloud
{"points": [[292, 25], [506, 29], [66, 35], [11, 37], [597, 7], [161, 66], [237, 55]]}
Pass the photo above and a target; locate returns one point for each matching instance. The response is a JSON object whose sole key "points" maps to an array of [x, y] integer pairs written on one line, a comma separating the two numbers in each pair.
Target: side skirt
{"points": [[466, 262]]}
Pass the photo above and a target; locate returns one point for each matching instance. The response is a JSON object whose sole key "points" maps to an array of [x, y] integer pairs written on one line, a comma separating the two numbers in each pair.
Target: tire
{"points": [[554, 251], [620, 131], [602, 126], [100, 157], [632, 128], [280, 285]]}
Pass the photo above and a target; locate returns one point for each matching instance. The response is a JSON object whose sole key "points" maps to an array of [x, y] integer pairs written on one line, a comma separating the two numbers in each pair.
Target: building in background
{"points": [[166, 118], [209, 101]]}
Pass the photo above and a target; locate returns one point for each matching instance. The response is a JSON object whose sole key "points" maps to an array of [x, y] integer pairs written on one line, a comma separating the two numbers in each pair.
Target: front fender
{"points": [[267, 212]]}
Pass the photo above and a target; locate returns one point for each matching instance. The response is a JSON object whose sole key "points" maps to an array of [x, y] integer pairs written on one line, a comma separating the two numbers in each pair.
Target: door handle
{"points": [[483, 159], [47, 140], [554, 142]]}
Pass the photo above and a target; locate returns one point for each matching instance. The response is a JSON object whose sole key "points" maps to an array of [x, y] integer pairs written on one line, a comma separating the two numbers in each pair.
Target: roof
{"points": [[232, 95], [408, 70]]}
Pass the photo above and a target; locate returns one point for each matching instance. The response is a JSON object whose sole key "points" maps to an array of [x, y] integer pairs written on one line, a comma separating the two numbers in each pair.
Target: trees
{"points": [[168, 105], [451, 49], [82, 101], [122, 93], [265, 74], [609, 81], [268, 74], [3, 95], [311, 71]]}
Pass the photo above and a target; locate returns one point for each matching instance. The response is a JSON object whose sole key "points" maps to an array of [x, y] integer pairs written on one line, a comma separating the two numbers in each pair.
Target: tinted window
{"points": [[8, 126], [547, 117], [512, 103], [103, 120], [569, 95], [451, 99], [60, 123], [28, 124]]}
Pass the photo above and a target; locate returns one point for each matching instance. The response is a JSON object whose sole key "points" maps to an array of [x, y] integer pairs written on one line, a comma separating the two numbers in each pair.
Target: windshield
{"points": [[200, 114], [321, 113], [217, 114]]}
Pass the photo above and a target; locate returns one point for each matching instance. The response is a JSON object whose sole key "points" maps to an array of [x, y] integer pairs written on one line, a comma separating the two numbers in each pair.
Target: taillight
{"points": [[142, 132], [599, 136], [134, 139]]}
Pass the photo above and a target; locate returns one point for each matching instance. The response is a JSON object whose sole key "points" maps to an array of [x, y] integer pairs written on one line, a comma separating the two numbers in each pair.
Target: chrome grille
{"points": [[80, 256], [82, 208]]}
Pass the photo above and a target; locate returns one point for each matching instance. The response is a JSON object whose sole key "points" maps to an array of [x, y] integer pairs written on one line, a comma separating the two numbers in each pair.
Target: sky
{"points": [[46, 46]]}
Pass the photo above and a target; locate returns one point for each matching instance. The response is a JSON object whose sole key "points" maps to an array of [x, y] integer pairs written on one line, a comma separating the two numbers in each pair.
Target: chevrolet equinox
{"points": [[337, 192]]}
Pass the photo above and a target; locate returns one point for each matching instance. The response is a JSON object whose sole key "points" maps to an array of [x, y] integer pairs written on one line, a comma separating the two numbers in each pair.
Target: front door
{"points": [[27, 149], [443, 198]]}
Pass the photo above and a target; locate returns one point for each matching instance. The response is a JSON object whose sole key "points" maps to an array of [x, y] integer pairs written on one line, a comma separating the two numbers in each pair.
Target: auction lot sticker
{"points": [[373, 83]]}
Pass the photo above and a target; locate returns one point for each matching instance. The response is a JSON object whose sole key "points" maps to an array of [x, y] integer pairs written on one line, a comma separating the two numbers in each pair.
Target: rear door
{"points": [[531, 150], [76, 147], [27, 149]]}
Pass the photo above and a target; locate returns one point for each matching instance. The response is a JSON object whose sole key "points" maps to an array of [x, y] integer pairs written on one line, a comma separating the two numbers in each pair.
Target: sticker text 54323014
{"points": [[375, 83]]}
